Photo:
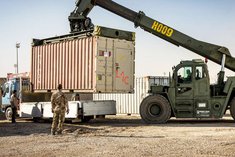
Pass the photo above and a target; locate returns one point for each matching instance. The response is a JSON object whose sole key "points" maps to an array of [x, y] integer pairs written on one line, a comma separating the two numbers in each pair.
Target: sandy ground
{"points": [[119, 136]]}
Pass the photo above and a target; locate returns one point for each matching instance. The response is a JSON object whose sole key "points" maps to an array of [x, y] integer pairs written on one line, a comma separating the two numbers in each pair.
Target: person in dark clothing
{"points": [[14, 104]]}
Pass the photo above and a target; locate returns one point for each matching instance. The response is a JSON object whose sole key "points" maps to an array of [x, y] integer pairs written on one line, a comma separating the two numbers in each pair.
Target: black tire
{"points": [[87, 118], [38, 120], [155, 109], [8, 113], [232, 108]]}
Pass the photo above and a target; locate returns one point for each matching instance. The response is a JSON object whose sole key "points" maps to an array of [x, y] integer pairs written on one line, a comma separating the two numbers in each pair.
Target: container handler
{"points": [[190, 94]]}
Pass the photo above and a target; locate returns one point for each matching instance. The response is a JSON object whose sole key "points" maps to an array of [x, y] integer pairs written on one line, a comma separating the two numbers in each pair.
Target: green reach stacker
{"points": [[189, 94]]}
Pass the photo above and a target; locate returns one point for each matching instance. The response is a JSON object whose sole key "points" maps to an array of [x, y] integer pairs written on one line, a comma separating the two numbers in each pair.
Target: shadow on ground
{"points": [[25, 127], [130, 121]]}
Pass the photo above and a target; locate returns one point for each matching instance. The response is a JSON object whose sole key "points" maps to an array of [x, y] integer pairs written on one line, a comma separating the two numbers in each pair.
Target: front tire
{"points": [[232, 108], [87, 118], [8, 113], [155, 109]]}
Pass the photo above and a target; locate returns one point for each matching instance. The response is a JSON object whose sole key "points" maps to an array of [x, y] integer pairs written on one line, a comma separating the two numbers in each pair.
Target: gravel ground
{"points": [[119, 136]]}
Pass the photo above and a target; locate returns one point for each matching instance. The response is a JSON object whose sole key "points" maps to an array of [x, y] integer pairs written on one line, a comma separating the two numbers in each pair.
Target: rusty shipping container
{"points": [[90, 62]]}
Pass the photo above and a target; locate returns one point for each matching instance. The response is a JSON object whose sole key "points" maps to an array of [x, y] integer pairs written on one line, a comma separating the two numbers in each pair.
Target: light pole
{"points": [[17, 64]]}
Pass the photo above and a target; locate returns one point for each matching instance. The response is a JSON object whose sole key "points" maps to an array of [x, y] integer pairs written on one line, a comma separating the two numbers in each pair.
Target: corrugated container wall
{"points": [[129, 103], [85, 63]]}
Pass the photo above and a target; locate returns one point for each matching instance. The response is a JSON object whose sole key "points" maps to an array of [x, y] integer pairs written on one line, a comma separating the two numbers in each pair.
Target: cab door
{"points": [[6, 95], [184, 92], [202, 92], [7, 89]]}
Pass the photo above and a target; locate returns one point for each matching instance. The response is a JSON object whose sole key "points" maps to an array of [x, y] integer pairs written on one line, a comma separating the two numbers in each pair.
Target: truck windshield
{"points": [[25, 84]]}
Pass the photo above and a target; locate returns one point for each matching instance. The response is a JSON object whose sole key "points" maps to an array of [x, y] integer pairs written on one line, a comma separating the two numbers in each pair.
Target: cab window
{"points": [[184, 74], [5, 89], [25, 85], [200, 73]]}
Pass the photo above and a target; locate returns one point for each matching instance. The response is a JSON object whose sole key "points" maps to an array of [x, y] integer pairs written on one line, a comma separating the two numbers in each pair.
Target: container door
{"points": [[123, 69], [104, 71], [115, 66]]}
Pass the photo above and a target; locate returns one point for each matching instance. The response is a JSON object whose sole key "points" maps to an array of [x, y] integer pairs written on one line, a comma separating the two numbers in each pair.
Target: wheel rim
{"points": [[155, 110]]}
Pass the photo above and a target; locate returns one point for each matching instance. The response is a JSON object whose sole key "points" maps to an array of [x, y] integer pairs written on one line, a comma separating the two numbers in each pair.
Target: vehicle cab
{"points": [[190, 89], [16, 82]]}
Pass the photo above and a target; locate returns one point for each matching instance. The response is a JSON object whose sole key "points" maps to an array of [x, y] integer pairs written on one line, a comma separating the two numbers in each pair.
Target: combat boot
{"points": [[52, 132], [59, 132]]}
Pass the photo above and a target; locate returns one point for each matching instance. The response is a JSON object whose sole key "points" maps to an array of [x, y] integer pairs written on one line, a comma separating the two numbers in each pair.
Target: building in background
{"points": [[129, 103]]}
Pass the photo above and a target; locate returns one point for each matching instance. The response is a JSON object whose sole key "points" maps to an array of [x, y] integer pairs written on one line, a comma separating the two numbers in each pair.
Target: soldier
{"points": [[59, 104], [14, 103]]}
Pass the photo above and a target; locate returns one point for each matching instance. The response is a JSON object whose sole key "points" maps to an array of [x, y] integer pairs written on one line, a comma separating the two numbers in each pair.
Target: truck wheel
{"points": [[8, 113], [155, 109], [38, 120], [232, 108], [87, 118]]}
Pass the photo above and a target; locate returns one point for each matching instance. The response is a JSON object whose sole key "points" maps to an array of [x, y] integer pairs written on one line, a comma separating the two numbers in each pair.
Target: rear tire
{"points": [[87, 118], [38, 120], [155, 109], [232, 108]]}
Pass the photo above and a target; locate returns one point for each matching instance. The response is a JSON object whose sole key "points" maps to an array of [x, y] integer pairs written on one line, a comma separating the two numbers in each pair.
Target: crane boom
{"points": [[79, 21]]}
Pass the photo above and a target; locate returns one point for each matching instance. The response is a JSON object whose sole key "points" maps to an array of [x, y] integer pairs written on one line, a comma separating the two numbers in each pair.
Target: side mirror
{"points": [[3, 93], [4, 89]]}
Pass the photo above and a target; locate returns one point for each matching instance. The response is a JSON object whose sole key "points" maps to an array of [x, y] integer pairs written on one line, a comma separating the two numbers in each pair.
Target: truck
{"points": [[38, 106], [189, 94]]}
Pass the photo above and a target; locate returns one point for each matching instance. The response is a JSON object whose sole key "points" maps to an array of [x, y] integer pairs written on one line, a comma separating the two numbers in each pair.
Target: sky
{"points": [[211, 21]]}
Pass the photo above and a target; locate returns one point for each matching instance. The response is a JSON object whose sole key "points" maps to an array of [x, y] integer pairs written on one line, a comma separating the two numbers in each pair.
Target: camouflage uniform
{"points": [[59, 106]]}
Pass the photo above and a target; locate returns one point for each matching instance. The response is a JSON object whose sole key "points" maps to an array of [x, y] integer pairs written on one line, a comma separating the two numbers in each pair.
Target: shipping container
{"points": [[130, 103], [101, 61]]}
